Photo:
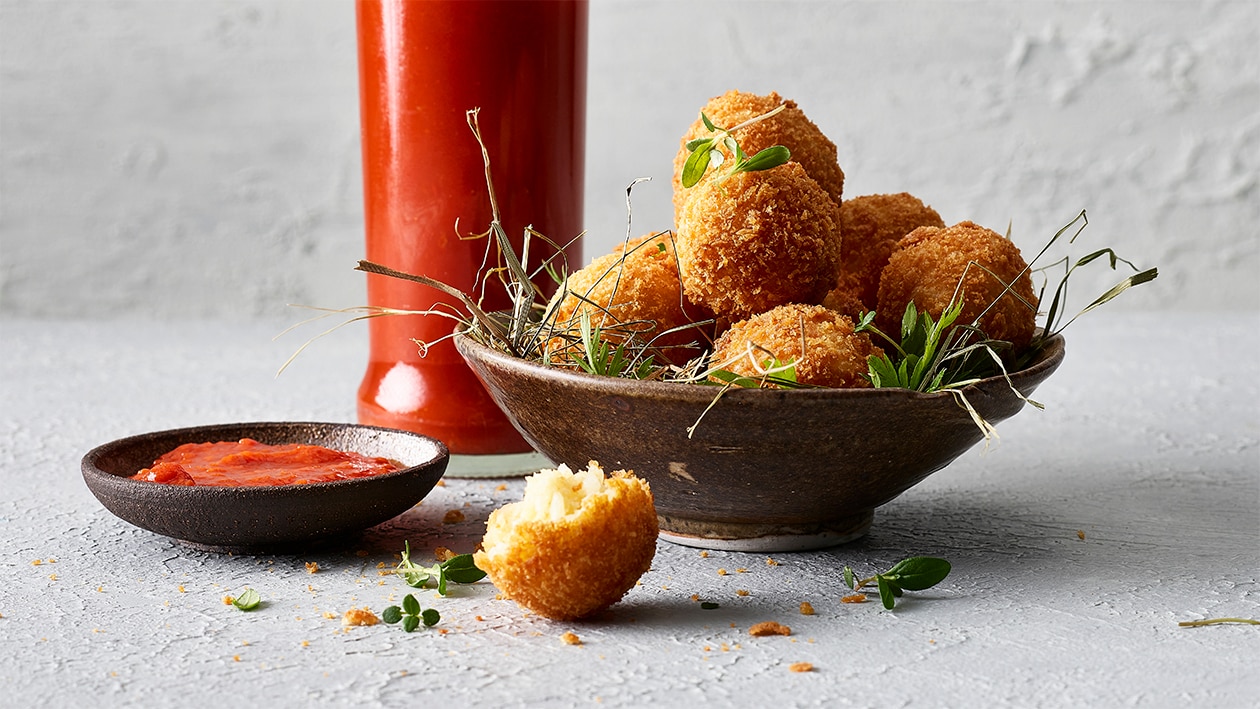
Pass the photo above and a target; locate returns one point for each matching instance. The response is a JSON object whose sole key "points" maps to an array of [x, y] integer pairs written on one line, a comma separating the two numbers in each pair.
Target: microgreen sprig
{"points": [[459, 569], [248, 600], [410, 614], [707, 152], [914, 574]]}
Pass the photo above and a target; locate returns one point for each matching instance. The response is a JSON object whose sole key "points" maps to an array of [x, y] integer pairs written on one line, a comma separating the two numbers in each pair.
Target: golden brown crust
{"points": [[872, 225], [643, 287], [753, 241], [833, 355], [790, 128], [929, 263], [572, 568]]}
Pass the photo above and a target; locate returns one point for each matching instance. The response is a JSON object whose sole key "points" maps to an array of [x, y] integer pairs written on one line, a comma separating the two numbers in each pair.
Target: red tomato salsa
{"points": [[248, 462]]}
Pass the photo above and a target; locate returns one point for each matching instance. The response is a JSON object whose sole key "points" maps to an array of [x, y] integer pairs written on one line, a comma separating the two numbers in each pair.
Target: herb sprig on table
{"points": [[914, 574], [458, 569], [248, 600], [410, 614]]}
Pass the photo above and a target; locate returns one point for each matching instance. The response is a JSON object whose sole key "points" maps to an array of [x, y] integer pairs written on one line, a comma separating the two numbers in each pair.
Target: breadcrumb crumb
{"points": [[721, 572], [571, 638], [359, 616], [807, 608], [741, 592], [801, 667], [854, 598], [453, 517], [769, 627], [771, 562]]}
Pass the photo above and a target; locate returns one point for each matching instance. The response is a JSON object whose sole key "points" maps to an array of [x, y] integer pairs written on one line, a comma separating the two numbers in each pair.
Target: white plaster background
{"points": [[178, 159]]}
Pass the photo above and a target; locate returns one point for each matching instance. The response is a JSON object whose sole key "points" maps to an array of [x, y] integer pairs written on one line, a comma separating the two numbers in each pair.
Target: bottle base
{"points": [[504, 465]]}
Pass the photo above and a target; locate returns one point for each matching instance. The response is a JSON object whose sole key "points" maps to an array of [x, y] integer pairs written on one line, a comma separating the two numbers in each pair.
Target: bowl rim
{"points": [[1048, 359], [90, 467]]}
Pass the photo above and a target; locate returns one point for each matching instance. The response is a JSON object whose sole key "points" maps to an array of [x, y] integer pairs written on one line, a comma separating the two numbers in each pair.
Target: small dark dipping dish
{"points": [[765, 469], [261, 519]]}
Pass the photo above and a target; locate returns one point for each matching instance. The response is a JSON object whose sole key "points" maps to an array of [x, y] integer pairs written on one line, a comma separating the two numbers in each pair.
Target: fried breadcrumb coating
{"points": [[928, 266], [821, 342], [872, 225], [756, 240], [639, 293], [789, 128], [574, 545]]}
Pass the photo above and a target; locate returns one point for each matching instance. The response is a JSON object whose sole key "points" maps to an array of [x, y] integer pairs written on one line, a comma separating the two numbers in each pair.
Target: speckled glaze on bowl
{"points": [[282, 518], [766, 469]]}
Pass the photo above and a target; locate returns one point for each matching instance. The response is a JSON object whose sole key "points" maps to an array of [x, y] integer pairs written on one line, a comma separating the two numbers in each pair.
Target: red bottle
{"points": [[422, 65]]}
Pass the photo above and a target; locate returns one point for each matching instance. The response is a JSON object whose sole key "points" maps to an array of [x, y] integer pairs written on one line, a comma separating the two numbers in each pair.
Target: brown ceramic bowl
{"points": [[766, 469], [265, 519]]}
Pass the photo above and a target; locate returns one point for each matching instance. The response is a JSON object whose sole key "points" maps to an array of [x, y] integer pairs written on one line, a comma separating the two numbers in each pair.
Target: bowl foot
{"points": [[723, 536]]}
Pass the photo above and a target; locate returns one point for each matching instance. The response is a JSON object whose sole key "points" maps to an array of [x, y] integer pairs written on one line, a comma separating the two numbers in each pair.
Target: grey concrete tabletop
{"points": [[1079, 542]]}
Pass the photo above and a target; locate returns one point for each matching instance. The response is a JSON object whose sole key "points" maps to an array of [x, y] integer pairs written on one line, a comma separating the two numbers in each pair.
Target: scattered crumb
{"points": [[441, 483], [181, 588], [807, 608], [1080, 534], [386, 572], [500, 488], [236, 658], [695, 597], [854, 598], [100, 589], [306, 643], [771, 562], [769, 627], [329, 615], [359, 616], [227, 600], [453, 517], [37, 562], [245, 643], [801, 667], [704, 554], [741, 571], [52, 577], [741, 592], [380, 564], [571, 638], [443, 554], [721, 572], [478, 617]]}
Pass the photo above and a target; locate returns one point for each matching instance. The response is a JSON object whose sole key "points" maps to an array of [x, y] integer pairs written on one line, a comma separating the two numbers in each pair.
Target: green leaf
{"points": [[771, 157], [392, 615], [707, 123], [886, 592], [430, 616], [248, 600], [696, 142], [848, 577], [697, 164], [410, 623], [919, 572], [410, 605], [462, 569]]}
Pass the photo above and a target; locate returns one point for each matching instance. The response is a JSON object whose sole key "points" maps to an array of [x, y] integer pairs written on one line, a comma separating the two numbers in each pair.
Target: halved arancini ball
{"points": [[574, 544]]}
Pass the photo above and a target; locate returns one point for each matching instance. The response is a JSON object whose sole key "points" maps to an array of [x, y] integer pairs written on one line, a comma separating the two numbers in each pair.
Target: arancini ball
{"points": [[640, 292], [930, 264], [756, 240], [819, 341], [872, 225], [790, 128], [574, 544]]}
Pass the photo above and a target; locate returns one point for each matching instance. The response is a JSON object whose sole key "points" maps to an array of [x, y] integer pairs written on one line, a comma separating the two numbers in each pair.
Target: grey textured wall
{"points": [[201, 158]]}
